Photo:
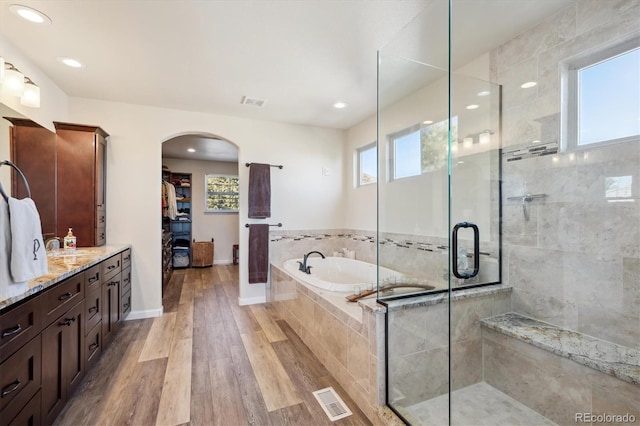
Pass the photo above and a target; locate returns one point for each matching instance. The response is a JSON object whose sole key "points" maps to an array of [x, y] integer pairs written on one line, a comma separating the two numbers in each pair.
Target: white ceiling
{"points": [[205, 55]]}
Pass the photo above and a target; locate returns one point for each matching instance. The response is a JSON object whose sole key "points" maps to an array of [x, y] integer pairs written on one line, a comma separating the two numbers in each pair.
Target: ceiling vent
{"points": [[246, 100]]}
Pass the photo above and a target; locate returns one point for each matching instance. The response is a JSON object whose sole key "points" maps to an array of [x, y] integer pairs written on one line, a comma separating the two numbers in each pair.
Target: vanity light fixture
{"points": [[31, 95], [13, 80], [454, 147], [340, 105], [484, 138], [30, 14], [70, 62], [14, 83], [529, 84], [472, 106], [467, 142]]}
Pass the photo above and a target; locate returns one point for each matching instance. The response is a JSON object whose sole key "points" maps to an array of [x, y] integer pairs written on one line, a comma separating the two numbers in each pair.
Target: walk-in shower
{"points": [[499, 183]]}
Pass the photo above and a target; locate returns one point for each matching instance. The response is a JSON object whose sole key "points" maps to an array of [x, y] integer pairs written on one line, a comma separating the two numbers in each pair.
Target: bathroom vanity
{"points": [[54, 333]]}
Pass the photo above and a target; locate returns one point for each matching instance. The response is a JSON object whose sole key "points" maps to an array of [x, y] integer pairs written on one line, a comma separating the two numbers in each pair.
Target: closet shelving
{"points": [[181, 225]]}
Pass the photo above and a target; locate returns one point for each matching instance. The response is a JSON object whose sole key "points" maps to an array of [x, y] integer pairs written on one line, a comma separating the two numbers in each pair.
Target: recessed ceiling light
{"points": [[340, 105], [460, 162], [30, 14], [70, 62], [528, 84], [472, 106], [191, 150], [427, 122], [535, 141], [484, 93]]}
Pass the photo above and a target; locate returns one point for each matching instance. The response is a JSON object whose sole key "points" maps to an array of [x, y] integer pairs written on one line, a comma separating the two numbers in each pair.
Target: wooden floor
{"points": [[206, 361]]}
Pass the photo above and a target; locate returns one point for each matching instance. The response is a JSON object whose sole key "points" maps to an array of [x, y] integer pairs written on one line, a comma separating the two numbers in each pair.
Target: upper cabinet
{"points": [[66, 172], [81, 173]]}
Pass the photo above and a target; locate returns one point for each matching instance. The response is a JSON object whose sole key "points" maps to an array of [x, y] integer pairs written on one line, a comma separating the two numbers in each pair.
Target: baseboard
{"points": [[151, 313], [223, 262], [251, 300]]}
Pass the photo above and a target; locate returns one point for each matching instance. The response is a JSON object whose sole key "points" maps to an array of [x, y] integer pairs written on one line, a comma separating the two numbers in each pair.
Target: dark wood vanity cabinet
{"points": [[50, 341], [81, 173]]}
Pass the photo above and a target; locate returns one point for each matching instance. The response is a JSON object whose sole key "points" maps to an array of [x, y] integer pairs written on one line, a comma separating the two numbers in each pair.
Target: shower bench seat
{"points": [[607, 357]]}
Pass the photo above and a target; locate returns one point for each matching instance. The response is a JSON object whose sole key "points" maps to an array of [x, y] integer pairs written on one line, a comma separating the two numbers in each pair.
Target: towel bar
{"points": [[246, 225], [24, 180], [270, 165]]}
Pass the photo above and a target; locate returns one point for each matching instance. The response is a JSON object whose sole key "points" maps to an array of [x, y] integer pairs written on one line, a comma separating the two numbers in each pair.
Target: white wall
{"points": [[302, 198], [223, 227], [53, 101]]}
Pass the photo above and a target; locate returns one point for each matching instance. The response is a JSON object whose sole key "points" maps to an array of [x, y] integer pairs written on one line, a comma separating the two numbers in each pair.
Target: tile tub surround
{"points": [[575, 262], [419, 341], [62, 266], [420, 256], [348, 338]]}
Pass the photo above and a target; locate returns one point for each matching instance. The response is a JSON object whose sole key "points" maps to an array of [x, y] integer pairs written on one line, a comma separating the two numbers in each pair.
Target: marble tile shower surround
{"points": [[419, 256], [419, 342], [574, 263]]}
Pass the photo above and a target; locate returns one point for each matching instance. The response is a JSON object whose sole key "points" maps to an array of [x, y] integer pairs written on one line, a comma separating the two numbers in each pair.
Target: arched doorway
{"points": [[202, 169]]}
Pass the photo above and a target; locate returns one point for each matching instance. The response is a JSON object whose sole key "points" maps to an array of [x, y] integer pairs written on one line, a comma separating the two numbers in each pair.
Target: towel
{"points": [[171, 200], [8, 287], [258, 253], [259, 191], [28, 255]]}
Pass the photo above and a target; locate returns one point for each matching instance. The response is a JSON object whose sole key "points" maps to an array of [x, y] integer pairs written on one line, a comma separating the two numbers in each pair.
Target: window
{"points": [[367, 165], [419, 150], [221, 193], [602, 97]]}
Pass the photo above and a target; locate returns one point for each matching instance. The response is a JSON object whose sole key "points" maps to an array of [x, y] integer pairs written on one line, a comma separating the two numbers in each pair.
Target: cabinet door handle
{"points": [[114, 283], [110, 267], [11, 387], [126, 306], [94, 279], [65, 296], [13, 330], [93, 346], [93, 309], [67, 321], [126, 259]]}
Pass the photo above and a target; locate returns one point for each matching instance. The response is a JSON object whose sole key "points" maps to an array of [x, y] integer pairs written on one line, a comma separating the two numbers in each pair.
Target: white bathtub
{"points": [[339, 273]]}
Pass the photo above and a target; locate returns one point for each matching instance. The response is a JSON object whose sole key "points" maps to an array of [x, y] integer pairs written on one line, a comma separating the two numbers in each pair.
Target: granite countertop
{"points": [[62, 266], [607, 357]]}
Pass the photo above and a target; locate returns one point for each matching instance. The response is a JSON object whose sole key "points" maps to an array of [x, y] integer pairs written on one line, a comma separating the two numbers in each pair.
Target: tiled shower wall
{"points": [[576, 261]]}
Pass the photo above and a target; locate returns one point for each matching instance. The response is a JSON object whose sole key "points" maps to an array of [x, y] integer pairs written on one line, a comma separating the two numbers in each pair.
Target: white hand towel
{"points": [[8, 287], [28, 255]]}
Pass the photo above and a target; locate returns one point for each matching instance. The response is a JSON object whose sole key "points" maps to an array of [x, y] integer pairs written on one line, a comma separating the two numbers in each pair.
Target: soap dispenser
{"points": [[70, 241]]}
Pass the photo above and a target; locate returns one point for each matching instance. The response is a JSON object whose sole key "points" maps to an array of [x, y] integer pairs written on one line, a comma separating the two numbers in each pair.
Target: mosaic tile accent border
{"points": [[531, 151]]}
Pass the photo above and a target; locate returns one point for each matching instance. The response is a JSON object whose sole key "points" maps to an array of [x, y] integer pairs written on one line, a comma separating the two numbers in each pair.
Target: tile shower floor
{"points": [[476, 405]]}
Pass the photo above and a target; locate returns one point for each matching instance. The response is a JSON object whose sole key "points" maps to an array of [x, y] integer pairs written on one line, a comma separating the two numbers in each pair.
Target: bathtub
{"points": [[339, 273]]}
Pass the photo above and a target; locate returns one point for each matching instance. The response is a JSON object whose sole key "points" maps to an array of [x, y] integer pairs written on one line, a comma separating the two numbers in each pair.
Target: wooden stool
{"points": [[236, 253]]}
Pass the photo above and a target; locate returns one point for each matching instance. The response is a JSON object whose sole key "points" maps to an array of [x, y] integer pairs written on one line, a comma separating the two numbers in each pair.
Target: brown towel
{"points": [[259, 191], [258, 253]]}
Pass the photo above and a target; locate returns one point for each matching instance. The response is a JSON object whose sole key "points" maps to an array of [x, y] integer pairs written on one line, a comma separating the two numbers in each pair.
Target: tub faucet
{"points": [[303, 265]]}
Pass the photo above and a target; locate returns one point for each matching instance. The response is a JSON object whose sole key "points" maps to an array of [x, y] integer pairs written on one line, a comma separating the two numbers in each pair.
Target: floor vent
{"points": [[246, 100], [332, 404]]}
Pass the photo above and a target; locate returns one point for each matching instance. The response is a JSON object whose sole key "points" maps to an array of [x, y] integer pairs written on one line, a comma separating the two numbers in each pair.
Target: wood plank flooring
{"points": [[206, 361]]}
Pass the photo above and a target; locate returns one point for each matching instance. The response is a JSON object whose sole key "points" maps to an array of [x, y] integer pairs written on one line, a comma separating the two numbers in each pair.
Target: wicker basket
{"points": [[202, 254]]}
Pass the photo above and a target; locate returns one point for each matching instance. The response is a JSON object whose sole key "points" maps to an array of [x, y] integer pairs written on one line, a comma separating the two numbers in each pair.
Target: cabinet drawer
{"points": [[61, 297], [126, 258], [93, 346], [93, 308], [126, 280], [111, 266], [19, 325], [92, 278], [30, 414], [21, 378], [125, 304]]}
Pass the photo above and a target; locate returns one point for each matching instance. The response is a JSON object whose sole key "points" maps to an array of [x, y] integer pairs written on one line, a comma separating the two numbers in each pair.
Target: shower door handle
{"points": [[476, 249]]}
